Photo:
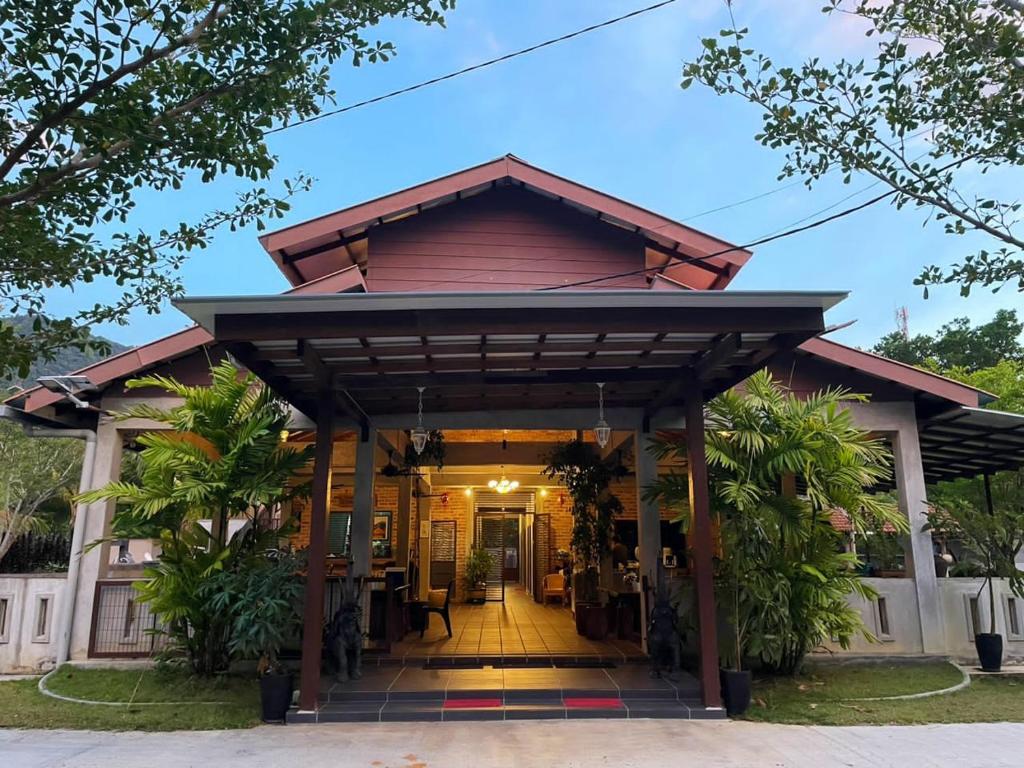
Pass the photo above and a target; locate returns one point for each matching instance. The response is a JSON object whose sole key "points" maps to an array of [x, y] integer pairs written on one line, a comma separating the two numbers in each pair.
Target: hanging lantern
{"points": [[601, 430], [419, 434]]}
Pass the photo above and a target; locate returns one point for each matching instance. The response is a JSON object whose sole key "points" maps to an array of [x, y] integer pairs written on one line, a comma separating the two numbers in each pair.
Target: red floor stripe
{"points": [[471, 703], [609, 703]]}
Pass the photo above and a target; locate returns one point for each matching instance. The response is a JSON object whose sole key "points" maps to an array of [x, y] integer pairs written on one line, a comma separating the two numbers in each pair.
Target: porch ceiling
{"points": [[507, 351], [968, 442]]}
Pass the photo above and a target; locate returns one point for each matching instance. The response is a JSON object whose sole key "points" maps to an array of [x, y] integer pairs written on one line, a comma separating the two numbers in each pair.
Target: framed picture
{"points": [[381, 526]]}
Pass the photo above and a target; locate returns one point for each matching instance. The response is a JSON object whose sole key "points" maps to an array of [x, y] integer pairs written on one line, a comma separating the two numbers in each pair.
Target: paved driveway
{"points": [[560, 744]]}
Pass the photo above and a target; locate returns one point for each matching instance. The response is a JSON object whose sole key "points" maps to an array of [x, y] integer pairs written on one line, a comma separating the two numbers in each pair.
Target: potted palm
{"points": [[993, 533], [478, 565], [263, 600]]}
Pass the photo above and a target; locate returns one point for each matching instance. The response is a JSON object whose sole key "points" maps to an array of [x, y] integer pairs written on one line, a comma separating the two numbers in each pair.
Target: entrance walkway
{"points": [[517, 629]]}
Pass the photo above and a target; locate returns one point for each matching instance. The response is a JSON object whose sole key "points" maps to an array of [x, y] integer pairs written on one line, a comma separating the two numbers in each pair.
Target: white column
{"points": [[404, 520], [106, 468], [423, 502], [898, 420], [362, 504], [648, 519]]}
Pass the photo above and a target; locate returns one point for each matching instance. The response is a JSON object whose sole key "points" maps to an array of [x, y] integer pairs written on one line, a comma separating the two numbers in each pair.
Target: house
{"points": [[514, 309]]}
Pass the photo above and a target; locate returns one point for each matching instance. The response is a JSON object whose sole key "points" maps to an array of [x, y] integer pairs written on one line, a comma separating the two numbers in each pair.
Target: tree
{"points": [[221, 458], [958, 345], [993, 535], [783, 578], [32, 472], [1004, 379], [101, 100], [588, 478], [951, 70]]}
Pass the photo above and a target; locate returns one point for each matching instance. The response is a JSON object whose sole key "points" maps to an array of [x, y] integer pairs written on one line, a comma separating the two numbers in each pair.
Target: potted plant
{"points": [[993, 533], [478, 565], [263, 600], [587, 477]]}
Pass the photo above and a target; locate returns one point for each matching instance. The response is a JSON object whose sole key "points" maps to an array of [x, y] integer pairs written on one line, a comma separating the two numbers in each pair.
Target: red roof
{"points": [[668, 240], [896, 372], [131, 362]]}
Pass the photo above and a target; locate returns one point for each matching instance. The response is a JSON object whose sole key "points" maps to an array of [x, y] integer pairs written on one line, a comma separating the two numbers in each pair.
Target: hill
{"points": [[66, 360]]}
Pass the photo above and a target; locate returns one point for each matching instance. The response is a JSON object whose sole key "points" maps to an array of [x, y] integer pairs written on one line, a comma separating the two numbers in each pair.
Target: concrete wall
{"points": [[904, 631], [23, 648]]}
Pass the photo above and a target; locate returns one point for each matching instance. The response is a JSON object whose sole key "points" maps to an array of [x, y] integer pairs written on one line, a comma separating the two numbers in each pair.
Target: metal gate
{"points": [[542, 559], [442, 553], [122, 627], [490, 534]]}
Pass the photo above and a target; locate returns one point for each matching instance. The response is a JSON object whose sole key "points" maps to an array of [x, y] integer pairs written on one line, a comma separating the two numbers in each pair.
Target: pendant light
{"points": [[504, 485], [601, 430], [419, 435]]}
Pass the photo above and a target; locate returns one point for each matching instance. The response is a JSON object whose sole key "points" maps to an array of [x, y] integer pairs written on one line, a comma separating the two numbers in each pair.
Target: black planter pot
{"points": [[735, 690], [990, 651], [275, 696]]}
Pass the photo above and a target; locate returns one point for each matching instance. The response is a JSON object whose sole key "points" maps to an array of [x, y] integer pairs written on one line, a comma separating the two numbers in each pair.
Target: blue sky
{"points": [[605, 110]]}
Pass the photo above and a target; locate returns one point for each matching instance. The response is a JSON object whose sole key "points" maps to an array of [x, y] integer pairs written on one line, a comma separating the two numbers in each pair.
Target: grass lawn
{"points": [[23, 706], [823, 696]]}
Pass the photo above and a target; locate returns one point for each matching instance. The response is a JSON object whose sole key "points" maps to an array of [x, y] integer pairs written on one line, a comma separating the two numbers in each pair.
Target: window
{"points": [[127, 634], [973, 616], [1013, 619], [6, 602], [884, 631], [339, 533], [41, 629]]}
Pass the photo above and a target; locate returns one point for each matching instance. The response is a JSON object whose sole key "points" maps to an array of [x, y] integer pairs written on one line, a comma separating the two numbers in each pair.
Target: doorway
{"points": [[501, 525]]}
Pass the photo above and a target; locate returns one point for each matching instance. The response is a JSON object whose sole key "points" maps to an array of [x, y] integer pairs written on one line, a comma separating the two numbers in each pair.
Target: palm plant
{"points": [[783, 576], [221, 457]]}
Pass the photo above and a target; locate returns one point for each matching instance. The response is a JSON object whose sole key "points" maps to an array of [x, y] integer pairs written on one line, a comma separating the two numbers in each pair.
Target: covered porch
{"points": [[505, 361]]}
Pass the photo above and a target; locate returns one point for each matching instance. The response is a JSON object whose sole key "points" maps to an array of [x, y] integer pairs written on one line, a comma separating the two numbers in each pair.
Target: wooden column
{"points": [[362, 504], [703, 547], [320, 498]]}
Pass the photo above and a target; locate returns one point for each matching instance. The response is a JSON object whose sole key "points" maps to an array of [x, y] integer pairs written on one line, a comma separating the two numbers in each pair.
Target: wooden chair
{"points": [[553, 586], [439, 601]]}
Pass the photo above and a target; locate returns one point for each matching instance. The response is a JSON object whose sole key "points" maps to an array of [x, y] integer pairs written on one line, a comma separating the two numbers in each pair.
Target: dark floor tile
{"points": [[340, 713], [408, 712], [483, 713], [534, 712]]}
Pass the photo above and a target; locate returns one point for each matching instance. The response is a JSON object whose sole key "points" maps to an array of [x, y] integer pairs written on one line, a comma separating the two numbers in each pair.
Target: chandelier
{"points": [[504, 485]]}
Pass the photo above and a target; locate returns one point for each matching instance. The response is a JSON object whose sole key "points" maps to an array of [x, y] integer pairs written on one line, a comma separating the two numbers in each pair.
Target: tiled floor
{"points": [[517, 627]]}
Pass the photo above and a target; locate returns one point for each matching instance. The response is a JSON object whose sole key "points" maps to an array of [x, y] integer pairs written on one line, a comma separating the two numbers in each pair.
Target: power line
{"points": [[472, 68], [694, 259]]}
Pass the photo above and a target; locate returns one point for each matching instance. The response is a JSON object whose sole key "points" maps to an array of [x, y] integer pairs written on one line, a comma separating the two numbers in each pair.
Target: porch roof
{"points": [[967, 442], [507, 350]]}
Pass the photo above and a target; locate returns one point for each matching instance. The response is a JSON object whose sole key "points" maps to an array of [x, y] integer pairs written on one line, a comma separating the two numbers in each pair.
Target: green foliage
{"points": [[221, 457], [960, 511], [783, 578], [950, 69], [263, 603], [101, 101], [587, 478], [478, 566], [33, 473], [62, 359], [958, 346], [1005, 379]]}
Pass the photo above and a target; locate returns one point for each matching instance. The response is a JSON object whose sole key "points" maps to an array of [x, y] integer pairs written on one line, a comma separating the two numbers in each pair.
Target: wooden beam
{"points": [[280, 384], [643, 349], [341, 242], [324, 378], [703, 546], [320, 500], [683, 258], [571, 320], [723, 347], [505, 363], [510, 378]]}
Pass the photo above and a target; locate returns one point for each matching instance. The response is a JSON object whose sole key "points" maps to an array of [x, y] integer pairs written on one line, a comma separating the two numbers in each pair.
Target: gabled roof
{"points": [[671, 245], [900, 373]]}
